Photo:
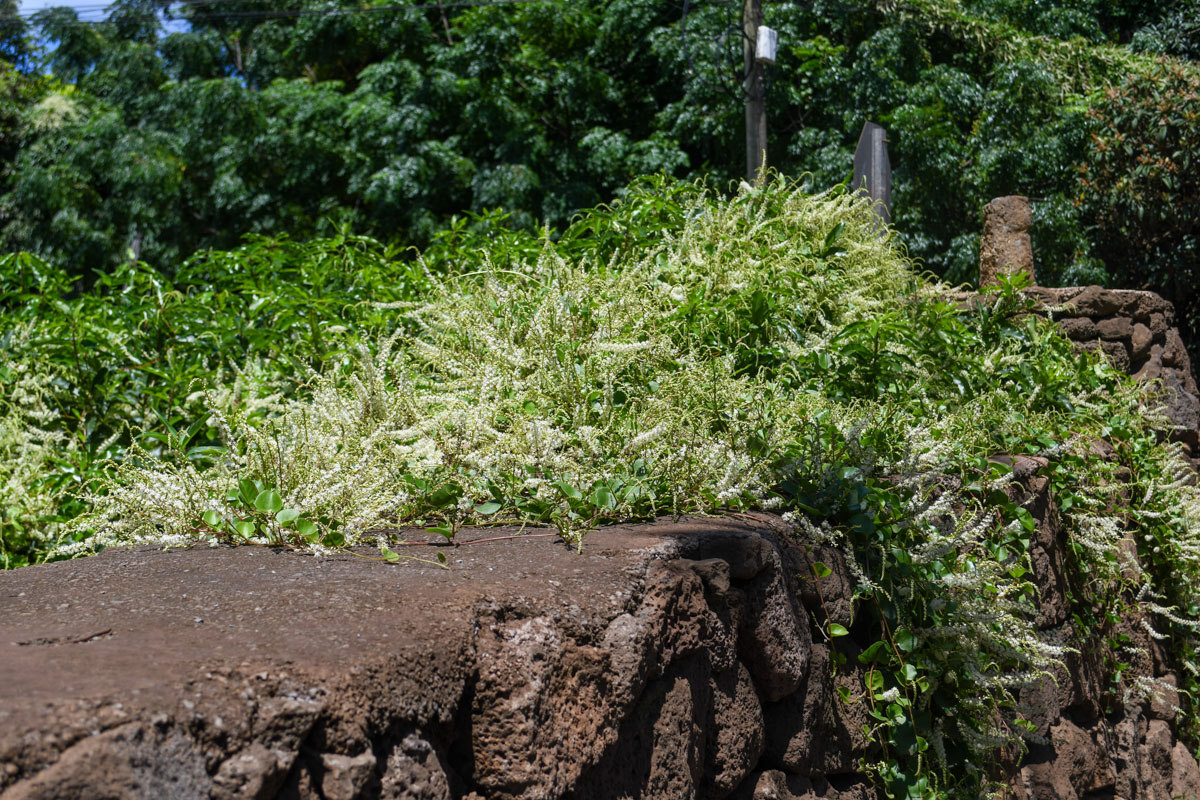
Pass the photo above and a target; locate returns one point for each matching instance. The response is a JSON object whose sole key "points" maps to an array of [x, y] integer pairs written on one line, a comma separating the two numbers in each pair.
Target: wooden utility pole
{"points": [[756, 101]]}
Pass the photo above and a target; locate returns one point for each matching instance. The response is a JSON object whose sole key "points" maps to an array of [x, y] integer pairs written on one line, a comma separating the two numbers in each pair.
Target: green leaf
{"points": [[603, 498], [487, 509], [875, 652], [248, 491], [837, 630], [820, 570], [441, 557], [568, 491], [389, 555], [442, 530], [906, 640], [287, 516], [245, 528], [212, 519], [268, 500], [306, 528], [446, 496]]}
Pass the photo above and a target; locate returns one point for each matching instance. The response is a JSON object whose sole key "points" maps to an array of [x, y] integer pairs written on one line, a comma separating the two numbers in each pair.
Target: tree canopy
{"points": [[390, 117]]}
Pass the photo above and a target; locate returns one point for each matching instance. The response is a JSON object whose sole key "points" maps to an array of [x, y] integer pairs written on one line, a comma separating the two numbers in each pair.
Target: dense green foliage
{"points": [[272, 117], [676, 352], [1141, 193], [118, 365]]}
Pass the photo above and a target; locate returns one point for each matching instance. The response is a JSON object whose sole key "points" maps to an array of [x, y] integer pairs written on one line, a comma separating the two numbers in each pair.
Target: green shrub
{"points": [[677, 352]]}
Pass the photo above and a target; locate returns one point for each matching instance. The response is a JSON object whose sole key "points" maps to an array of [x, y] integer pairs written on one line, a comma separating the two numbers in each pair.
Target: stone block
{"points": [[1096, 301], [1078, 328], [1141, 305], [1174, 353], [1115, 328], [1005, 247], [1158, 325], [1139, 342], [735, 741], [1152, 369], [1118, 354]]}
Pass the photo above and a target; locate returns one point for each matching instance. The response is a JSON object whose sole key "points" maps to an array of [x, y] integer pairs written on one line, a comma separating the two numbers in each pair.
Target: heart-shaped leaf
{"points": [[268, 500]]}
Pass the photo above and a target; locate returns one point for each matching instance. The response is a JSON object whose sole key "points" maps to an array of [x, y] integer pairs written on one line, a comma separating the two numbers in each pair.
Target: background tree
{"points": [[1139, 188], [289, 116]]}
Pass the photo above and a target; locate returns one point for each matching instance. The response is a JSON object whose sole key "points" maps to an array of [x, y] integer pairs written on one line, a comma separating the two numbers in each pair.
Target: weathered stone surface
{"points": [[1005, 247], [775, 640], [1115, 328], [256, 772], [1139, 342], [1079, 328], [345, 777], [735, 742], [1174, 353], [1046, 551], [1166, 699], [1152, 369], [812, 732], [1095, 302], [1072, 765], [775, 785], [1118, 354], [1185, 775], [416, 770], [1075, 688], [1142, 305], [668, 660], [133, 761], [1181, 406], [832, 595]]}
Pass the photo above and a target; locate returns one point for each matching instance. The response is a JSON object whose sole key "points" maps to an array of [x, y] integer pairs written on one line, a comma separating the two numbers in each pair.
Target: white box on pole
{"points": [[767, 45]]}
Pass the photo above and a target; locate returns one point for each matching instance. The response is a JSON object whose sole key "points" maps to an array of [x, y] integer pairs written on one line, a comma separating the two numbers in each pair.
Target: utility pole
{"points": [[756, 101]]}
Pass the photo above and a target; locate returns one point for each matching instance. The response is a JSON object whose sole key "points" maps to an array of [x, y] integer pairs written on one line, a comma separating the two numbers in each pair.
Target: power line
{"points": [[297, 12]]}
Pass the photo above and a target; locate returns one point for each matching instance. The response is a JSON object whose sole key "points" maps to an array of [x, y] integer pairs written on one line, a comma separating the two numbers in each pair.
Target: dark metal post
{"points": [[873, 171]]}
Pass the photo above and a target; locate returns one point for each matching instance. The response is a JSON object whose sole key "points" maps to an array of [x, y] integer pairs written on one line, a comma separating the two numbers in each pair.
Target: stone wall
{"points": [[1136, 331], [665, 661]]}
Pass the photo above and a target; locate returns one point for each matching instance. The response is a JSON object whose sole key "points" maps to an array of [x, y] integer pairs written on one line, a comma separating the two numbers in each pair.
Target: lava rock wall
{"points": [[672, 660], [1136, 331]]}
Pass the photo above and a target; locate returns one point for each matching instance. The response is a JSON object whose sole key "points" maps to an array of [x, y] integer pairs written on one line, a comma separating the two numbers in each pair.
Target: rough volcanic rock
{"points": [[667, 660], [1140, 340], [1079, 328], [1115, 328], [1005, 247], [524, 670]]}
